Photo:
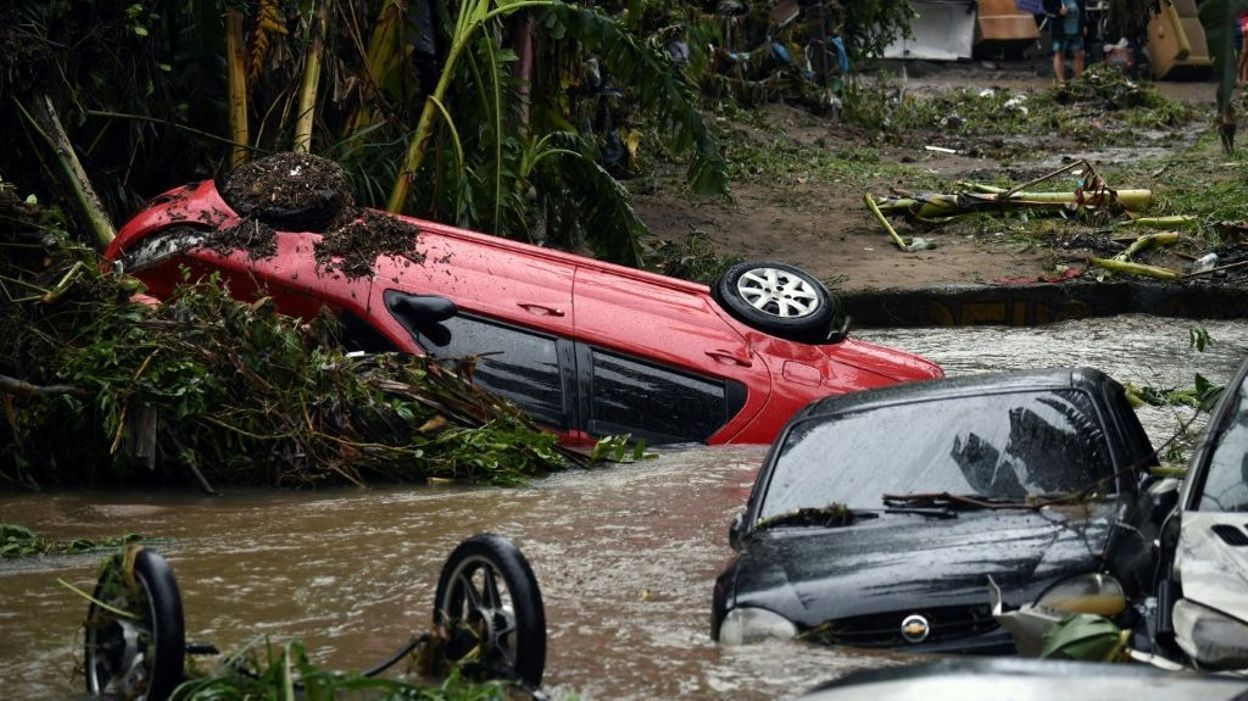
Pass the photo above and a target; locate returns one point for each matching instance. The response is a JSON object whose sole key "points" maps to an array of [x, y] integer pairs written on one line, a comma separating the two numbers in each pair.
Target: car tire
{"points": [[509, 636], [777, 299], [113, 642], [290, 192]]}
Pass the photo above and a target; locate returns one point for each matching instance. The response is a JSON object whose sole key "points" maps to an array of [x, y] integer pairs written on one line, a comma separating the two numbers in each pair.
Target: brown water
{"points": [[625, 555]]}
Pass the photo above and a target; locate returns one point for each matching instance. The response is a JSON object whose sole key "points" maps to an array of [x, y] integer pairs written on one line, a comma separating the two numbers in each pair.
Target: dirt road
{"points": [[799, 180]]}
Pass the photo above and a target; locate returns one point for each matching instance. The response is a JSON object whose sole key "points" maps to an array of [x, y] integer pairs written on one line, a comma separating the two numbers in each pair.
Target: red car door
{"points": [[655, 360], [514, 311], [499, 279]]}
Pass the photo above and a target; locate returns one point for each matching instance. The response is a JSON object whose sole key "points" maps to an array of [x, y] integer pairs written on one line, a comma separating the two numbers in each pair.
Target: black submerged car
{"points": [[878, 517]]}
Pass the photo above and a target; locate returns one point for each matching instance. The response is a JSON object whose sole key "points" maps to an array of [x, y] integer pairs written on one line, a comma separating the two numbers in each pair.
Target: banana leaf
{"points": [[1083, 636]]}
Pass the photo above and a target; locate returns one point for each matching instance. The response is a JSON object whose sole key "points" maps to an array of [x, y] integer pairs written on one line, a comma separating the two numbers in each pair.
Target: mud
{"points": [[352, 248], [798, 198], [289, 182], [252, 236]]}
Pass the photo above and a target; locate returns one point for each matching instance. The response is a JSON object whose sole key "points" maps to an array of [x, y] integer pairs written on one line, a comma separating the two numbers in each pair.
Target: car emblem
{"points": [[915, 628]]}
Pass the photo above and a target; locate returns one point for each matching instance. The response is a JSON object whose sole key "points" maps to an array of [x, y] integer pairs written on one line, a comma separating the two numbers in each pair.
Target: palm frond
{"points": [[651, 80], [582, 199]]}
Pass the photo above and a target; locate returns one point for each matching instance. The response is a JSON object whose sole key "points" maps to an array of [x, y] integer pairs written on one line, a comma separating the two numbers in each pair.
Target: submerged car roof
{"points": [[1085, 378]]}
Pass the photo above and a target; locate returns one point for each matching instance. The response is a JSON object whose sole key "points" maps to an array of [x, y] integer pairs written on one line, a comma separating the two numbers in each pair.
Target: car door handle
{"points": [[540, 309], [730, 358]]}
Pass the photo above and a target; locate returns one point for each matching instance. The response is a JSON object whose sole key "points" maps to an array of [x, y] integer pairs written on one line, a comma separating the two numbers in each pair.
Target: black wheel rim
{"points": [[479, 613], [121, 651]]}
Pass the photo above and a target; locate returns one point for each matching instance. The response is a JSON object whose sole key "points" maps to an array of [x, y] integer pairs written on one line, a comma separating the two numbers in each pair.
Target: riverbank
{"points": [[799, 178]]}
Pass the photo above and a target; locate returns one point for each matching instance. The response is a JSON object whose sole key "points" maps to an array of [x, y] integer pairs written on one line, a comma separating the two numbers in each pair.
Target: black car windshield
{"points": [[1226, 482], [1006, 446]]}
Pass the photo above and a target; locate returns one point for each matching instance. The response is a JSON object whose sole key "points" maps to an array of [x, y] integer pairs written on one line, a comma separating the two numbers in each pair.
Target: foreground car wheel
{"points": [[139, 655], [778, 299], [489, 605]]}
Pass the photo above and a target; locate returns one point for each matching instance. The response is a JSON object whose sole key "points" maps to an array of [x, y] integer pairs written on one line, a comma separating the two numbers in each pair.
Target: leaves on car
{"points": [[833, 515]]}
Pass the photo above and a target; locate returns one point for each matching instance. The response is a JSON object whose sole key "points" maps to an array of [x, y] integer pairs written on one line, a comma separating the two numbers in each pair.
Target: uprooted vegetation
{"points": [[208, 390], [17, 541], [1102, 107], [806, 176]]}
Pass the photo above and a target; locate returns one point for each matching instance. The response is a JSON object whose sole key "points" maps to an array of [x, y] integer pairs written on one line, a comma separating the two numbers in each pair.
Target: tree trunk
{"points": [[49, 127], [236, 87], [311, 78], [522, 45]]}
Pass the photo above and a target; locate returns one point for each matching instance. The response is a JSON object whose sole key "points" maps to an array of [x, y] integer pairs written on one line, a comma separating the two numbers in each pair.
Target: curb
{"points": [[1041, 303]]}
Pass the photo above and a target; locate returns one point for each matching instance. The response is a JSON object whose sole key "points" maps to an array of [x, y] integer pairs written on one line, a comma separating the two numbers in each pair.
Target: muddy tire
{"points": [[777, 299], [506, 625], [141, 657], [290, 192]]}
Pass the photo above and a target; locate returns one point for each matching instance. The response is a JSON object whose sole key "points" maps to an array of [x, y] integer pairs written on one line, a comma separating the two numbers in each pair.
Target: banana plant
{"points": [[473, 16], [651, 82]]}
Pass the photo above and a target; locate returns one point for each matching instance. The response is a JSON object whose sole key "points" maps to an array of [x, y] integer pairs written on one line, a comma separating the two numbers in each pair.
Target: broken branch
{"points": [[1120, 266], [22, 388]]}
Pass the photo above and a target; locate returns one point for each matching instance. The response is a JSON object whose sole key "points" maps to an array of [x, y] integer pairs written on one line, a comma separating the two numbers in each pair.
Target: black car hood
{"points": [[906, 562]]}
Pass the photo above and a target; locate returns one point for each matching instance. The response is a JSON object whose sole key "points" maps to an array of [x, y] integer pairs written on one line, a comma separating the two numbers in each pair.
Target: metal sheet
{"points": [[943, 31]]}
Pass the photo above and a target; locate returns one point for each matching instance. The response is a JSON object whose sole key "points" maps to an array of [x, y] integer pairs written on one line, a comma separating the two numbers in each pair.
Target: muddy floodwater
{"points": [[625, 555]]}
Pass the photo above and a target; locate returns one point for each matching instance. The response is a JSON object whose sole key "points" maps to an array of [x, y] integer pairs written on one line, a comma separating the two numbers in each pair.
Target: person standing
{"points": [[1241, 36], [1066, 33]]}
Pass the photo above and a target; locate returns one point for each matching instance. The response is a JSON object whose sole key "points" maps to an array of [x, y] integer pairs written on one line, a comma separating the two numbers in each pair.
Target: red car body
{"points": [[625, 351]]}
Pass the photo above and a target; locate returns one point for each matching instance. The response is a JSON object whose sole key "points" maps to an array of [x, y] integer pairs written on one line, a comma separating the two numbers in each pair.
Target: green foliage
{"points": [[583, 205], [652, 83], [265, 671], [694, 258], [146, 80], [774, 156], [239, 393], [1084, 636], [18, 541], [1202, 395], [1102, 107], [1199, 339], [617, 449]]}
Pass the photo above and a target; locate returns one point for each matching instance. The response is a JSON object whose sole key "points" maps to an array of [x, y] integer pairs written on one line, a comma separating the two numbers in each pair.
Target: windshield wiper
{"points": [[833, 515], [838, 515], [952, 502]]}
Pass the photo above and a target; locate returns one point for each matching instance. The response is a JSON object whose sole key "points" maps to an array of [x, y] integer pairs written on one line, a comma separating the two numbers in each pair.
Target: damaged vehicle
{"points": [[879, 518], [1020, 680], [587, 348], [1203, 593]]}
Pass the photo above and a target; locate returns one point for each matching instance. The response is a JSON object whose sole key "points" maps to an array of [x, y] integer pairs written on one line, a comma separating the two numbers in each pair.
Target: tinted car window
{"points": [[359, 335], [659, 404], [1226, 479], [1005, 445], [521, 366]]}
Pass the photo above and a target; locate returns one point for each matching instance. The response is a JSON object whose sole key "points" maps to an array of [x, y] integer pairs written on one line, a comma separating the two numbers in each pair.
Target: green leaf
{"points": [[1082, 636], [654, 84]]}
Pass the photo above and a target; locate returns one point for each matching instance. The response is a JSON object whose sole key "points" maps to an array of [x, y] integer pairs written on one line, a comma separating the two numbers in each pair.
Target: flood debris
{"points": [[136, 590], [352, 248], [1122, 262], [252, 236], [297, 190], [1091, 195], [1122, 266], [218, 391]]}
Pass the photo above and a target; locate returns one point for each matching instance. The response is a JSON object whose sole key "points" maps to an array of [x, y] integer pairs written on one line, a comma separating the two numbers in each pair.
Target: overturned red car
{"points": [[587, 348]]}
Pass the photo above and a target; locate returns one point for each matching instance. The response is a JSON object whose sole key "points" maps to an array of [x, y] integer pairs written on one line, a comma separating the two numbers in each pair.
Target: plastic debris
{"points": [[1205, 263]]}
